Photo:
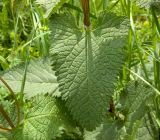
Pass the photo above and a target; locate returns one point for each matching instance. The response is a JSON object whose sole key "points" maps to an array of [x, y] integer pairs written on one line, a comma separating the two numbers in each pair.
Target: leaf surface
{"points": [[110, 130], [40, 78], [135, 101], [134, 126], [149, 3], [87, 64], [43, 121]]}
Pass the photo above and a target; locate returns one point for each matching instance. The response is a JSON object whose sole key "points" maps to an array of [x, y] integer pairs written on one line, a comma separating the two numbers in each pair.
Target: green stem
{"points": [[78, 9]]}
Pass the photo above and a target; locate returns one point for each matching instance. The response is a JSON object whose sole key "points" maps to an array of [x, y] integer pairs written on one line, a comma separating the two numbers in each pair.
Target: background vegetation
{"points": [[33, 81]]}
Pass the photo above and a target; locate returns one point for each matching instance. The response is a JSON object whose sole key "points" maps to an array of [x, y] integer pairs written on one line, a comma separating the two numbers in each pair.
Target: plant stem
{"points": [[5, 115], [78, 9], [85, 7], [16, 101]]}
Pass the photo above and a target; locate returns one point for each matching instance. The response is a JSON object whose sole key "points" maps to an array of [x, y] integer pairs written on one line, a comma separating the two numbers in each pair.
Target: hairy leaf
{"points": [[40, 78], [87, 64], [43, 121]]}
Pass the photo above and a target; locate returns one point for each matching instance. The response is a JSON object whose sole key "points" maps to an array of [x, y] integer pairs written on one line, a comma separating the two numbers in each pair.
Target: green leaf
{"points": [[136, 95], [149, 3], [40, 79], [135, 102], [143, 3], [145, 130], [87, 64], [44, 120], [109, 130], [4, 136], [50, 5]]}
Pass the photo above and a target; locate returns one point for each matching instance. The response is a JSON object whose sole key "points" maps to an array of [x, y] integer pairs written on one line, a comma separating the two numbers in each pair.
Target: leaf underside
{"points": [[87, 64]]}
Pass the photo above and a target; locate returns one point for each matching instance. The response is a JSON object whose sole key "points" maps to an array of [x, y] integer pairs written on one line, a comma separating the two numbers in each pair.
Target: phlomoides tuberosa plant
{"points": [[74, 93]]}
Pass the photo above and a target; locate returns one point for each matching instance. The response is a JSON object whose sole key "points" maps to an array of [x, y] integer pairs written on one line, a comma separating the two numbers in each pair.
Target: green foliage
{"points": [[134, 103], [43, 120], [149, 3], [144, 3], [110, 130], [51, 5], [11, 111], [40, 78], [135, 96], [97, 82], [18, 22], [87, 64]]}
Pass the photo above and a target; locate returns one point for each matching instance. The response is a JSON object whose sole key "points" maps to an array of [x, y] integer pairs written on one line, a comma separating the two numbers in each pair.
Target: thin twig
{"points": [[14, 96]]}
